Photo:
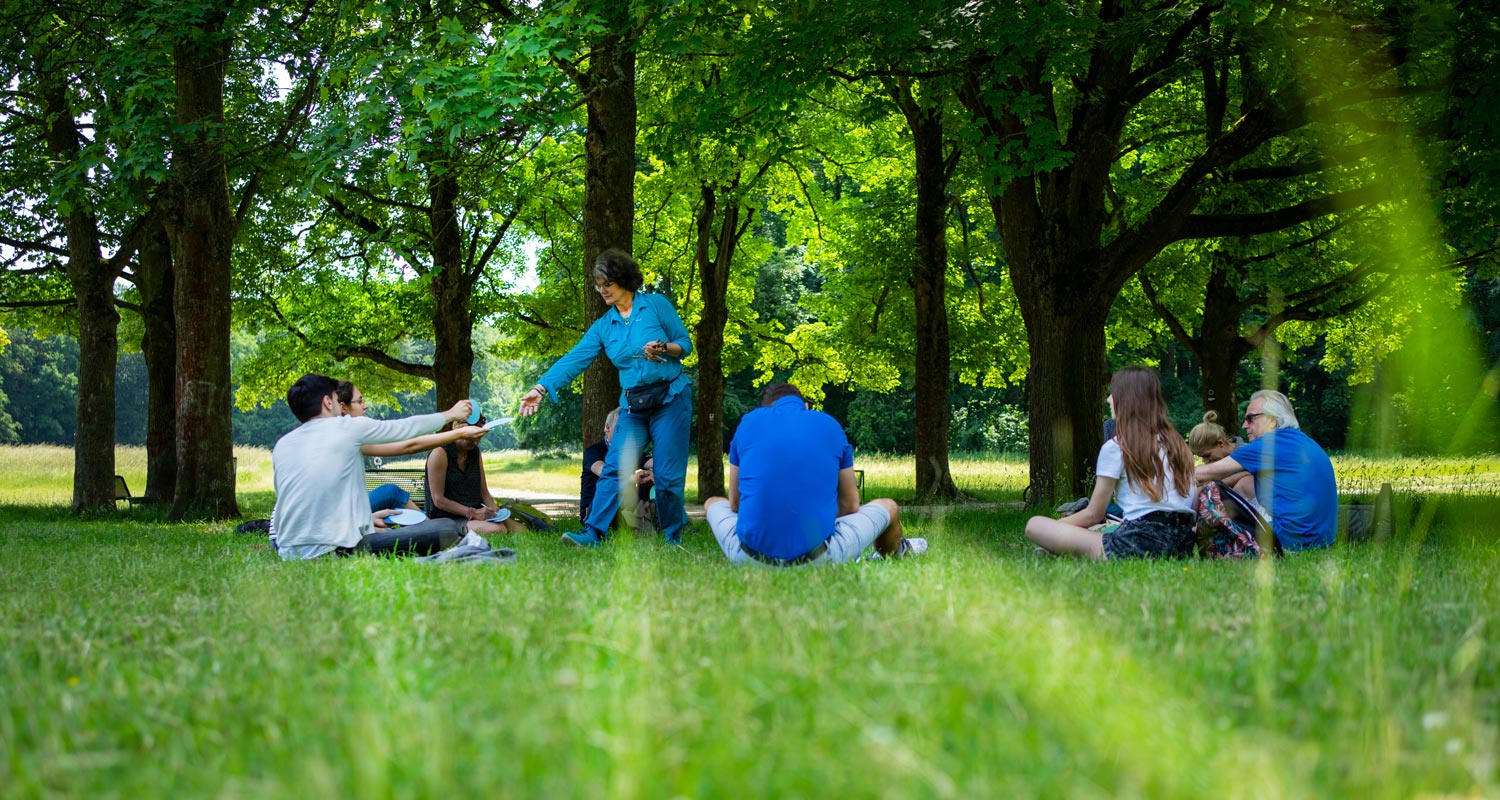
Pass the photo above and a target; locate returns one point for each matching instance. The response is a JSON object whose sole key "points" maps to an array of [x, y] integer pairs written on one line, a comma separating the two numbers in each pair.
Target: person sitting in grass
{"points": [[593, 466], [321, 505], [793, 498], [1290, 475], [388, 495], [1147, 466], [458, 489], [1210, 442]]}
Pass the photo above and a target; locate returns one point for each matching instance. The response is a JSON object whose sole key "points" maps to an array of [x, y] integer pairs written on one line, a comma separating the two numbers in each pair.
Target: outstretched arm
{"points": [[570, 366], [1217, 470], [422, 444]]}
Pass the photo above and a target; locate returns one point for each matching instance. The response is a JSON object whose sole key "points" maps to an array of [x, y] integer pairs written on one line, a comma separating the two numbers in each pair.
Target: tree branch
{"points": [[1209, 226], [298, 109], [489, 250], [385, 360], [38, 303], [34, 247], [353, 217], [1140, 78], [1175, 325], [885, 292], [798, 359], [385, 201]]}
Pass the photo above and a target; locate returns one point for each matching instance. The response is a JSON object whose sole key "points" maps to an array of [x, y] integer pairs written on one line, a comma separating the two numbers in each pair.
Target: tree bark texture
{"points": [[452, 290], [609, 192], [1052, 226], [929, 292], [92, 279], [715, 254], [1220, 348], [1066, 388], [159, 347], [201, 226]]}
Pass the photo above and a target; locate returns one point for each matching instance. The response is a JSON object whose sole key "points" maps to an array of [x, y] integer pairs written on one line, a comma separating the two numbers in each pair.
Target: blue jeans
{"points": [[388, 495], [667, 428]]}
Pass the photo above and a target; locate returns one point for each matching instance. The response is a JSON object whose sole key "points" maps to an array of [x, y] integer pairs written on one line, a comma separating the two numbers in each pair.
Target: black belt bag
{"points": [[647, 397]]}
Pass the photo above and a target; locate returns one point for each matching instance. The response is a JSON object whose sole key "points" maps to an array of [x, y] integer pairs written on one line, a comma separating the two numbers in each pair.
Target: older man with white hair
{"points": [[1290, 475]]}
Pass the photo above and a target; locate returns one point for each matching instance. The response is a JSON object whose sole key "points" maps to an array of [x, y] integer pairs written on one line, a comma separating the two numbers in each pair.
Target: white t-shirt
{"points": [[1135, 503], [321, 502]]}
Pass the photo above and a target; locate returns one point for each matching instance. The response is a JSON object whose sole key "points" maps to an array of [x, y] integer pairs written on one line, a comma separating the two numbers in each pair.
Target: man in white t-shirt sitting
{"points": [[321, 504]]}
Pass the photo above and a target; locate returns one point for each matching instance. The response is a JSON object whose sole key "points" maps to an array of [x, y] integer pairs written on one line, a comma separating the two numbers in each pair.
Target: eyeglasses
{"points": [[1249, 418], [602, 285]]}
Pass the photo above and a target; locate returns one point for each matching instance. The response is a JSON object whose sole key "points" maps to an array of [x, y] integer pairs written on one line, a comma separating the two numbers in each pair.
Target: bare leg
{"points": [[1056, 536], [889, 541], [484, 527], [1245, 486]]}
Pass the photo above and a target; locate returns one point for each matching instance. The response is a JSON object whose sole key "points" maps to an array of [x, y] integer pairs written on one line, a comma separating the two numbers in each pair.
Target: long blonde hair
{"points": [[1144, 432]]}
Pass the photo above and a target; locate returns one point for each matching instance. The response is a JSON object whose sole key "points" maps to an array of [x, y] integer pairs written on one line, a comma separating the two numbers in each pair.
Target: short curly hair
{"points": [[617, 267]]}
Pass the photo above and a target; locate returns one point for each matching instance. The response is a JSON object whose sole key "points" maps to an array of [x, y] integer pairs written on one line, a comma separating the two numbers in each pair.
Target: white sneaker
{"points": [[472, 539], [912, 547]]}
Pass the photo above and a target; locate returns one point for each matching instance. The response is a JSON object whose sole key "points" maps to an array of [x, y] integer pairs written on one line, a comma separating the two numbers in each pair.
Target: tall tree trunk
{"points": [[929, 291], [93, 281], [159, 347], [1220, 348], [609, 190], [202, 230], [452, 290], [715, 254], [1066, 385]]}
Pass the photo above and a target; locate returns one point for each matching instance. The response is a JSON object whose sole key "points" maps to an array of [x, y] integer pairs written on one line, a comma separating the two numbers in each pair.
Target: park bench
{"points": [[414, 481]]}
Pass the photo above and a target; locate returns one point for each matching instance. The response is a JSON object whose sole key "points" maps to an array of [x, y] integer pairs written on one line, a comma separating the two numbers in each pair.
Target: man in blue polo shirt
{"points": [[1290, 475], [793, 498]]}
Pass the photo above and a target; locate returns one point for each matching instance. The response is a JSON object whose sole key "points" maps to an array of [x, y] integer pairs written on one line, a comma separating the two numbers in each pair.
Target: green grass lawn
{"points": [[144, 659]]}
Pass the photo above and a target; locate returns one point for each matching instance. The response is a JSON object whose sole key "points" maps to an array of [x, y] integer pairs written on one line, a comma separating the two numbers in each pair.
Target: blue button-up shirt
{"points": [[652, 319]]}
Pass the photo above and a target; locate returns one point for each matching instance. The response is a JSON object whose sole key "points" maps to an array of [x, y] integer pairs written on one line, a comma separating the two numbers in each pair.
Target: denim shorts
{"points": [[1160, 534]]}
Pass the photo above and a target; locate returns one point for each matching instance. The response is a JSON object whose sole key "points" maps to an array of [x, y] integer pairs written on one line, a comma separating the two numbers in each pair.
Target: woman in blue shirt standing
{"points": [[646, 340]]}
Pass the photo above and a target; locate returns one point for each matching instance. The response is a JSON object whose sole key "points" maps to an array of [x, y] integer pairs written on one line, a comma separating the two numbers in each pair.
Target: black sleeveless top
{"points": [[460, 485]]}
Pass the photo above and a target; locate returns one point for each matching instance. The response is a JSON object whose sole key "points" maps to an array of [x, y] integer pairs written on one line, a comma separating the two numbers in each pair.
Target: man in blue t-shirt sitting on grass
{"points": [[793, 498], [1290, 475]]}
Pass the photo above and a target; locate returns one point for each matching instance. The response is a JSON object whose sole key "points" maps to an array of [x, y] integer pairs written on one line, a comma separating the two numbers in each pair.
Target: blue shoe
{"points": [[583, 538]]}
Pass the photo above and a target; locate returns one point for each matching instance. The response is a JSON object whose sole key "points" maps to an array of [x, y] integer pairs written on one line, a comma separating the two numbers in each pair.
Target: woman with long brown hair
{"points": [[1148, 467]]}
